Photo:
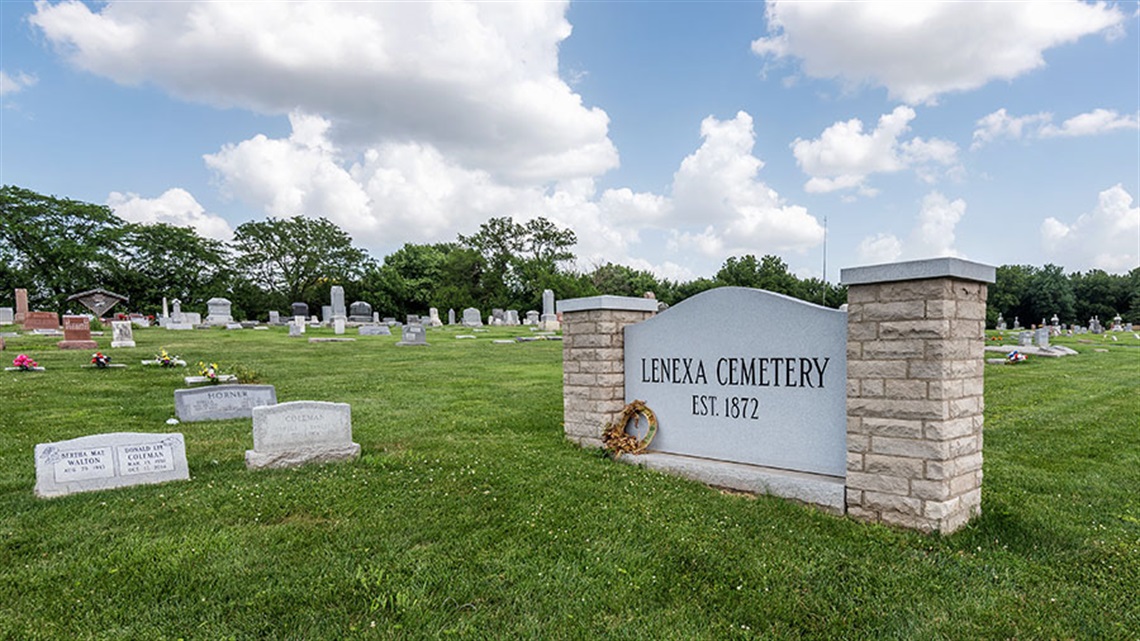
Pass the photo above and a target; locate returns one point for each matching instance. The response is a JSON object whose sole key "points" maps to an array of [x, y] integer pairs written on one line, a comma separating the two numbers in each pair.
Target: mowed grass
{"points": [[470, 516]]}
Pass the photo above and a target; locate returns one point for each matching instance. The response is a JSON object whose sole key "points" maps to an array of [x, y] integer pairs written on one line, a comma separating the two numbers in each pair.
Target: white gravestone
{"points": [[218, 312], [300, 432], [745, 376], [336, 294], [104, 461], [549, 320], [413, 335], [433, 317], [221, 402], [472, 318], [122, 334], [338, 325], [7, 316]]}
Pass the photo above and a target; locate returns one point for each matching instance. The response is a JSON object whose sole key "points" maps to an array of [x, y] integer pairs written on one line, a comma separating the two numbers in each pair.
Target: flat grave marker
{"points": [[105, 461]]}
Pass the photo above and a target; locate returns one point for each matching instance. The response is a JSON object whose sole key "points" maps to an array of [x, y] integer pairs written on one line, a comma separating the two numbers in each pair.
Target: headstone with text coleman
{"points": [[221, 402], [745, 377], [104, 461], [300, 432]]}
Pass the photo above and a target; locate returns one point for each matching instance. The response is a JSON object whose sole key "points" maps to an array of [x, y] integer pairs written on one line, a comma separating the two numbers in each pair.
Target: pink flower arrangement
{"points": [[23, 363]]}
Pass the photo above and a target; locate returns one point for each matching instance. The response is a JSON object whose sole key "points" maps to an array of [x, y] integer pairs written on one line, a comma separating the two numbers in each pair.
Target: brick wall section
{"points": [[915, 401], [593, 370]]}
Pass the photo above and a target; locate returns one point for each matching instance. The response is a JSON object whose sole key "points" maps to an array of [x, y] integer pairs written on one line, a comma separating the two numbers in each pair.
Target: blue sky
{"points": [[669, 136]]}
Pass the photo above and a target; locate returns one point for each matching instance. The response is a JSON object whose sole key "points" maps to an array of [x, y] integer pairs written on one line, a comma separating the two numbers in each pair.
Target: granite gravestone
{"points": [[336, 295], [327, 314], [549, 320], [274, 318], [7, 316], [413, 335], [221, 402], [104, 461], [218, 312], [726, 392], [300, 432], [178, 320], [42, 320], [21, 305], [374, 330], [360, 312], [512, 317], [531, 318], [433, 318], [338, 325], [472, 318], [122, 333], [451, 317], [77, 334], [300, 309]]}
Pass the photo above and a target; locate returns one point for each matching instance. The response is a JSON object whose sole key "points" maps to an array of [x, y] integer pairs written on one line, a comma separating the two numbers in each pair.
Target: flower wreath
{"points": [[615, 439]]}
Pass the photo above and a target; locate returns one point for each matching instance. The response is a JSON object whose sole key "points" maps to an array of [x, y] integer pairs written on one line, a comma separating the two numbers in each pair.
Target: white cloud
{"points": [[175, 207], [919, 50], [931, 237], [477, 81], [1097, 121], [844, 156], [15, 84], [1000, 124], [1106, 238]]}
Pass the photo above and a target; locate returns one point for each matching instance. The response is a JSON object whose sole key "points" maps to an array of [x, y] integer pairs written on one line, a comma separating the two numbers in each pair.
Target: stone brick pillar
{"points": [[593, 361], [915, 359]]}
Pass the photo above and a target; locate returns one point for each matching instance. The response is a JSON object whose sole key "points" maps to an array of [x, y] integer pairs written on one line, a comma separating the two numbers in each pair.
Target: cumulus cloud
{"points": [[919, 50], [931, 237], [844, 156], [1000, 124], [410, 192], [478, 81], [15, 84], [1106, 238], [175, 207]]}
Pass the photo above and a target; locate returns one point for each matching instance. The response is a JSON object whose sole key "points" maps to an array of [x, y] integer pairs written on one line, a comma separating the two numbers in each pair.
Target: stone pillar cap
{"points": [[946, 267], [617, 303]]}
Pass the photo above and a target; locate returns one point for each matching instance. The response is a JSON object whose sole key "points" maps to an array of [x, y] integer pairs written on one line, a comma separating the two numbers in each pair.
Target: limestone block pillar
{"points": [[915, 359], [593, 365]]}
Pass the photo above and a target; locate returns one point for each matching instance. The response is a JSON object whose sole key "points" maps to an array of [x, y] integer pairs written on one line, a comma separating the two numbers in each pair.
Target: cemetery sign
{"points": [[744, 376]]}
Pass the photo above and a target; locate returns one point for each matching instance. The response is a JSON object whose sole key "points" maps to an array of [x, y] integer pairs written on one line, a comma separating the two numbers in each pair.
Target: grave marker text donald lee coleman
{"points": [[749, 384], [104, 461]]}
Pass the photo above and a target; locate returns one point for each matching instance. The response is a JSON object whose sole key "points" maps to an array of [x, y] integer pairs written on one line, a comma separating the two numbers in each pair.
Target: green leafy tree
{"points": [[769, 273], [294, 256], [1050, 292], [409, 279], [55, 247], [161, 260], [521, 260], [1007, 295]]}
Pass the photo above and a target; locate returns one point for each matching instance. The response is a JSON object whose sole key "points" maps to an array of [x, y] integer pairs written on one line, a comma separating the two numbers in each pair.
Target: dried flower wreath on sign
{"points": [[617, 441]]}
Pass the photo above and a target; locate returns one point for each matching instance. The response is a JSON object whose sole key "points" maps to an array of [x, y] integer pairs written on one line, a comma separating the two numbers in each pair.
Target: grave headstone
{"points": [[221, 402], [549, 320], [413, 335], [1024, 339], [274, 318], [337, 298], [390, 321], [374, 330], [218, 312], [433, 318], [41, 320], [105, 461], [413, 319], [21, 305], [7, 316], [300, 309], [122, 334], [326, 314], [296, 329], [1016, 323], [531, 318], [512, 317], [375, 317], [451, 317], [1000, 323], [472, 318], [1041, 337], [178, 320], [77, 334], [338, 325], [300, 432], [497, 316], [360, 312]]}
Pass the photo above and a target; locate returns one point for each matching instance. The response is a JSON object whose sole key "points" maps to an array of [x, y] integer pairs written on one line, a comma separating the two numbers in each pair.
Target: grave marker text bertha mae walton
{"points": [[745, 376], [104, 461]]}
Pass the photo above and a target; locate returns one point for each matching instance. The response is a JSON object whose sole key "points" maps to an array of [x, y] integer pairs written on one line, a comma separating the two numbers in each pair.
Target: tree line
{"points": [[56, 247]]}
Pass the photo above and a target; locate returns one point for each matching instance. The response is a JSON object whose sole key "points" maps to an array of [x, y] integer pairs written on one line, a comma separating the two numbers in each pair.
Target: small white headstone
{"points": [[338, 325], [122, 334], [104, 461], [300, 432]]}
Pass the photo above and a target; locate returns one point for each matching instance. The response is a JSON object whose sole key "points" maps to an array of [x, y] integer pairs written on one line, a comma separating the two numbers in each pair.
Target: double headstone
{"points": [[104, 461], [221, 402], [41, 320]]}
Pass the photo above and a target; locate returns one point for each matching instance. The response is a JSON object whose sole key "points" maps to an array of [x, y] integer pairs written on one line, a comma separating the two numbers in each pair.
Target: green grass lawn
{"points": [[469, 515]]}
